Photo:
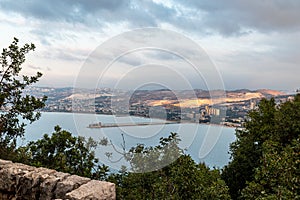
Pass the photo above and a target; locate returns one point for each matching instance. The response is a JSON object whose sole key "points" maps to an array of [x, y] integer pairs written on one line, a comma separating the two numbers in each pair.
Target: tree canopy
{"points": [[63, 152], [13, 103], [182, 178], [266, 146]]}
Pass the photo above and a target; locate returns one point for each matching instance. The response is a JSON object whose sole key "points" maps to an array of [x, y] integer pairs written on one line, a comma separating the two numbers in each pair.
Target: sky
{"points": [[251, 44]]}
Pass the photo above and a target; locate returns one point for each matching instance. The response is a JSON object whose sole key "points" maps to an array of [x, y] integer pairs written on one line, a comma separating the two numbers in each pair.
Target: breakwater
{"points": [[110, 125]]}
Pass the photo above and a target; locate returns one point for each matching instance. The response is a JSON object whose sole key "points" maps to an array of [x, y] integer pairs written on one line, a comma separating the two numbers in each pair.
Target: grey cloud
{"points": [[233, 16], [229, 18], [131, 60], [34, 67], [48, 35], [144, 56], [88, 12], [64, 54], [161, 55], [92, 13], [68, 56], [38, 68], [44, 36], [68, 10]]}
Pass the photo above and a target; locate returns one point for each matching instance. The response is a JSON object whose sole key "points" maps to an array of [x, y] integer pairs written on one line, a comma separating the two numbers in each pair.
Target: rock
{"points": [[29, 185], [21, 182], [93, 190], [69, 184], [4, 162], [11, 173], [49, 185]]}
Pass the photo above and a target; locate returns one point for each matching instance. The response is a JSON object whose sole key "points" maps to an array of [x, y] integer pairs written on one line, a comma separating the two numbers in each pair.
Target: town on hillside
{"points": [[229, 108]]}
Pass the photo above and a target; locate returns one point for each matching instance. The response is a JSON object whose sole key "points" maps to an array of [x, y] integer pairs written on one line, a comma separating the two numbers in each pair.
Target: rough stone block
{"points": [[49, 185], [28, 186], [11, 173], [93, 190], [69, 184], [22, 182], [4, 162]]}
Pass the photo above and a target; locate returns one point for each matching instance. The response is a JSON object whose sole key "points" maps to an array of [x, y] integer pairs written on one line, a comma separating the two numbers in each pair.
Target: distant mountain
{"points": [[196, 98], [186, 98], [267, 92]]}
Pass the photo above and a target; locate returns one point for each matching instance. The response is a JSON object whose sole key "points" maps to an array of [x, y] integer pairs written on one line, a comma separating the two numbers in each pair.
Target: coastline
{"points": [[124, 115]]}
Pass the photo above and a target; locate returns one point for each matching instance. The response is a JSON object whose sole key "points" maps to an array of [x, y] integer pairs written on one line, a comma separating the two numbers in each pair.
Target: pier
{"points": [[111, 125]]}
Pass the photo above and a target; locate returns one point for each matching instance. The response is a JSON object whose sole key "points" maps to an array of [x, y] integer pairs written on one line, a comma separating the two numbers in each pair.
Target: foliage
{"points": [[63, 152], [269, 124], [144, 159], [181, 179], [13, 103], [278, 175]]}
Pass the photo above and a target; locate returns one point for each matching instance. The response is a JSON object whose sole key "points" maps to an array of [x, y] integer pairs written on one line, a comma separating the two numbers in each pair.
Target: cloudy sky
{"points": [[252, 44]]}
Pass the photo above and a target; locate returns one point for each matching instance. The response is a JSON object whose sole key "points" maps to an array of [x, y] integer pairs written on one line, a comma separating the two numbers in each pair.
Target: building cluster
{"points": [[232, 114]]}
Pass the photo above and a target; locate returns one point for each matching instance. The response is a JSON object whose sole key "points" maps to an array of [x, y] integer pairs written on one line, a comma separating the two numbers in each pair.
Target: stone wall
{"points": [[19, 181]]}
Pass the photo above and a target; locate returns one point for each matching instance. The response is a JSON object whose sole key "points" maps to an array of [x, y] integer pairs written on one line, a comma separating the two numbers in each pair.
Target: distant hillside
{"points": [[201, 97], [187, 98]]}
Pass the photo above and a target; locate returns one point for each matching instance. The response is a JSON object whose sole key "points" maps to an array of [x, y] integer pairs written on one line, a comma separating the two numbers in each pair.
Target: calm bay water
{"points": [[205, 143]]}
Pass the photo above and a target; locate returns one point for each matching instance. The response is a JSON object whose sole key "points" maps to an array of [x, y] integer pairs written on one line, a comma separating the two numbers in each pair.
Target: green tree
{"points": [[278, 175], [63, 152], [180, 179], [13, 104], [246, 150], [268, 124], [144, 159]]}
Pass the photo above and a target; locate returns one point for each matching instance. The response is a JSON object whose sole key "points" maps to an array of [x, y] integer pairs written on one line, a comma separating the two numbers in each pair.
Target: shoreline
{"points": [[124, 115]]}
